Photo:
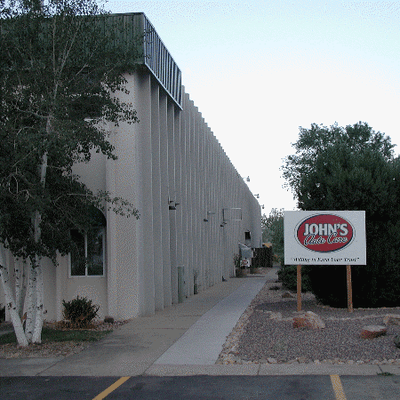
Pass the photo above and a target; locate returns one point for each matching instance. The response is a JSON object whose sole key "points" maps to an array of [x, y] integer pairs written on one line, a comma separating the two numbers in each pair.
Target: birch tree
{"points": [[61, 63]]}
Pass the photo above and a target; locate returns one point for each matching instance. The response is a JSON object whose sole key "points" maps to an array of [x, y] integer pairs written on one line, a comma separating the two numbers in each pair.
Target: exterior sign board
{"points": [[325, 238]]}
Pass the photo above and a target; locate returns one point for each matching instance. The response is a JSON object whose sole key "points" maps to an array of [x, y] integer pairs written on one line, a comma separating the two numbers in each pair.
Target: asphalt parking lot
{"points": [[305, 387]]}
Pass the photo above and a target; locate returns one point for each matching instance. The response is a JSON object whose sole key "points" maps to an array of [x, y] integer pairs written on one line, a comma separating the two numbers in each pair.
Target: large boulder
{"points": [[373, 331], [308, 320]]}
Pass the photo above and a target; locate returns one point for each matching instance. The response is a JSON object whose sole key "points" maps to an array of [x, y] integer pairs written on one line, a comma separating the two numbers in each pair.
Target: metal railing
{"points": [[134, 29], [160, 62]]}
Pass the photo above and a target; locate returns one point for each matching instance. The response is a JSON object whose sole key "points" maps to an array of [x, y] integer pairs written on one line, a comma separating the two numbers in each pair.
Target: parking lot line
{"points": [[111, 388], [337, 387]]}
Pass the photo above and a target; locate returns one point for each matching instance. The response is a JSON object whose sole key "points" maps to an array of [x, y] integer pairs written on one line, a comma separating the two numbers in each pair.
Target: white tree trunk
{"points": [[36, 297], [20, 285], [10, 301], [38, 306], [31, 302]]}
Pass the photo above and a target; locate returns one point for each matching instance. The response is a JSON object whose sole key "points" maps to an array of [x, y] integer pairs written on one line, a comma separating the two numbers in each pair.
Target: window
{"points": [[87, 257]]}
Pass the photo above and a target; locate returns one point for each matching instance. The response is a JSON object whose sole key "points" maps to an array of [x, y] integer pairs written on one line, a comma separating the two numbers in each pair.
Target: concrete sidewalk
{"points": [[132, 349], [184, 339]]}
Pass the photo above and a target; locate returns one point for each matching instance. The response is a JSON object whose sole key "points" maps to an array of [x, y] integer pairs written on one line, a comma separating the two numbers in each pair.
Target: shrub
{"points": [[80, 312], [263, 258], [288, 276], [328, 283], [372, 286]]}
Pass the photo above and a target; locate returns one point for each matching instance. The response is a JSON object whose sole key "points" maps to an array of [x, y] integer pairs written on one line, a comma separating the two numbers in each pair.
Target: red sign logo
{"points": [[325, 233]]}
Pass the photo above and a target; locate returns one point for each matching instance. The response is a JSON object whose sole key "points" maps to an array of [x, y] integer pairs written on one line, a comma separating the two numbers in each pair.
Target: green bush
{"points": [[288, 276], [329, 285], [372, 286], [80, 312]]}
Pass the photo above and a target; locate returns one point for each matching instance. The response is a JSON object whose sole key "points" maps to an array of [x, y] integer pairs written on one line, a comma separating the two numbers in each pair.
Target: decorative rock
{"points": [[397, 341], [308, 320], [272, 360], [108, 319], [276, 315], [373, 331], [287, 295], [391, 319]]}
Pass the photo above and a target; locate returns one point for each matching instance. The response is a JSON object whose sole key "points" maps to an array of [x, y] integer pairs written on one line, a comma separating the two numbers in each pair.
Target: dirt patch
{"points": [[51, 349]]}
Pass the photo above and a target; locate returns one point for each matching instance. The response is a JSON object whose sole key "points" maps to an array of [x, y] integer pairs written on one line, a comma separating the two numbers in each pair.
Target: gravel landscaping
{"points": [[265, 333]]}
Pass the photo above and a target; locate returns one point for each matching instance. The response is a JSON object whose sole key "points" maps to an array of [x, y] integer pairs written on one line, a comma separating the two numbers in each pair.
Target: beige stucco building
{"points": [[194, 207]]}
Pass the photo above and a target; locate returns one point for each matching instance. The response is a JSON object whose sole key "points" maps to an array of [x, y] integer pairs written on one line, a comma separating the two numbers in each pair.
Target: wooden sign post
{"points": [[349, 289], [299, 288]]}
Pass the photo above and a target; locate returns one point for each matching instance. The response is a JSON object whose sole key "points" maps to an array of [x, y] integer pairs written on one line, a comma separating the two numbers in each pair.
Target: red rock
{"points": [[373, 331], [308, 320]]}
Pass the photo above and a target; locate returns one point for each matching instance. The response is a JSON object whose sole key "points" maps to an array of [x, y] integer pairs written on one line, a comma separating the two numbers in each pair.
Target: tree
{"points": [[316, 142], [352, 168], [61, 65], [272, 231]]}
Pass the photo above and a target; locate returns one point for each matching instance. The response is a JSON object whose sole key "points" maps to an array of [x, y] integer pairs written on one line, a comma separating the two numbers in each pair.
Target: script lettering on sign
{"points": [[324, 233]]}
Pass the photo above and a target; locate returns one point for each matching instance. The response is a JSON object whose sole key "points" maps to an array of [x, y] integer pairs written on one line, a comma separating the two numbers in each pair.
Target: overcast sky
{"points": [[258, 70]]}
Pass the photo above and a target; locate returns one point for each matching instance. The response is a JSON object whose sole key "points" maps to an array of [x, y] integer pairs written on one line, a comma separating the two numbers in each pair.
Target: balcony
{"points": [[136, 26]]}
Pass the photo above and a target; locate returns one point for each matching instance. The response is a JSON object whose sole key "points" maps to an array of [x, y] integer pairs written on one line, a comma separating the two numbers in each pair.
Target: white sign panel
{"points": [[325, 238]]}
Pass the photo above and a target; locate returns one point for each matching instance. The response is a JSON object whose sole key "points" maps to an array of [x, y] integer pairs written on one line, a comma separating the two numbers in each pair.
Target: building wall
{"points": [[173, 169]]}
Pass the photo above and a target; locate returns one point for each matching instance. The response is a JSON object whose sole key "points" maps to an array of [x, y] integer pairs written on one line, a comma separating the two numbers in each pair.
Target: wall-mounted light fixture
{"points": [[257, 196], [208, 213], [172, 204]]}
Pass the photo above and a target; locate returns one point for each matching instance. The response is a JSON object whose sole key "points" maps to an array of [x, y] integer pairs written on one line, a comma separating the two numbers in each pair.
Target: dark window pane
{"points": [[78, 254], [95, 251]]}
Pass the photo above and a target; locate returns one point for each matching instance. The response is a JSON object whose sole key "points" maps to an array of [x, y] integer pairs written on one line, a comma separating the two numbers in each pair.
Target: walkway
{"points": [[184, 339]]}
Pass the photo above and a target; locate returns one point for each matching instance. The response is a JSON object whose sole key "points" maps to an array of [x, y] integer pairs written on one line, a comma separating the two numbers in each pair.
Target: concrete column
{"points": [[190, 177], [167, 194], [178, 155], [184, 192], [157, 119], [145, 183]]}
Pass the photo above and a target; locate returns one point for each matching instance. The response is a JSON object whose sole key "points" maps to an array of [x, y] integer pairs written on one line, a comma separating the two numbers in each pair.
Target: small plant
{"points": [[80, 312], [236, 260], [238, 268]]}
